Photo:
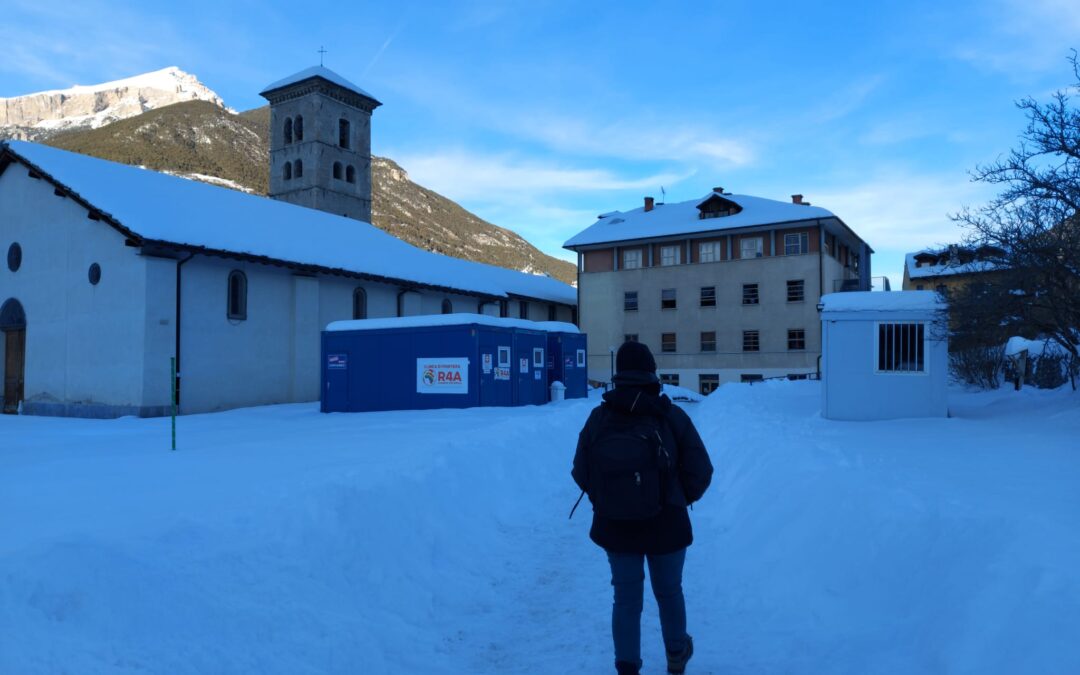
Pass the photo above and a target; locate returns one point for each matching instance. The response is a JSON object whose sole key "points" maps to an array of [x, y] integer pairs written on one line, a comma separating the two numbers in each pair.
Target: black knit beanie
{"points": [[634, 360]]}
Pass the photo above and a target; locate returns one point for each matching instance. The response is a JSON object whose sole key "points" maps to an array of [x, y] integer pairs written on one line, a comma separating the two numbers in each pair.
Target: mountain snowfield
{"points": [[41, 114], [282, 540]]}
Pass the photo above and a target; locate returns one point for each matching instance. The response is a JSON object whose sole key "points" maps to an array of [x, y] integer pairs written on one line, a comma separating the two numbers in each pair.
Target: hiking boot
{"points": [[627, 668], [676, 661]]}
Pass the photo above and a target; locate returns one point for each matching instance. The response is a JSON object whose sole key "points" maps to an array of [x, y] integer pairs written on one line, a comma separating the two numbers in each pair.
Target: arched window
{"points": [[298, 128], [237, 301], [288, 130], [343, 133], [298, 168], [359, 303], [286, 172], [94, 274], [337, 170], [447, 306], [350, 174]]}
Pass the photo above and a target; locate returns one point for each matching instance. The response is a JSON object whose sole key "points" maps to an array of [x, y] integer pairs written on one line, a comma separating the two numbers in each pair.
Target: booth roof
{"points": [[163, 208], [882, 301], [461, 319]]}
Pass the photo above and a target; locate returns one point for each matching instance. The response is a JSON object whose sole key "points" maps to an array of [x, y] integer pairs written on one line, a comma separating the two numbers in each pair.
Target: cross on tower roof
{"points": [[321, 51]]}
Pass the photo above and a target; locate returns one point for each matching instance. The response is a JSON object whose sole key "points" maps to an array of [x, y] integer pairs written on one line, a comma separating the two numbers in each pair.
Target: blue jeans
{"points": [[628, 578]]}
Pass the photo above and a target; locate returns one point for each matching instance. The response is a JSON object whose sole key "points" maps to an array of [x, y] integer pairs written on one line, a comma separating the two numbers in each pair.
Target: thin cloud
{"points": [[1024, 36]]}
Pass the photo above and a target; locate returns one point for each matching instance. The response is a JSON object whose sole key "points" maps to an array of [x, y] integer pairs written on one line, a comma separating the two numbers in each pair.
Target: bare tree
{"points": [[1032, 228]]}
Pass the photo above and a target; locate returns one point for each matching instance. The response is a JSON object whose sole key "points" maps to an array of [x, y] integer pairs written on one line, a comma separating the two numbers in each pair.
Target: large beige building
{"points": [[948, 268], [722, 289]]}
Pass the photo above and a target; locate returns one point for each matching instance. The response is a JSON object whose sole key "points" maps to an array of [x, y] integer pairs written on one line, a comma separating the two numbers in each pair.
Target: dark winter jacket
{"points": [[669, 531]]}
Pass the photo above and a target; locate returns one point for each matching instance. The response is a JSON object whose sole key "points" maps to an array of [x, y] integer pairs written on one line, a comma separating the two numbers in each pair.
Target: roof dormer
{"points": [[716, 206]]}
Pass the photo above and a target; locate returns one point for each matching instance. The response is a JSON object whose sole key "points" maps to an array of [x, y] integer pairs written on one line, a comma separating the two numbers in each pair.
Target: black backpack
{"points": [[628, 466]]}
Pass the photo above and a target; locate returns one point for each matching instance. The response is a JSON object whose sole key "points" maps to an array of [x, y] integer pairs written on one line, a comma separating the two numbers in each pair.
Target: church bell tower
{"points": [[320, 142]]}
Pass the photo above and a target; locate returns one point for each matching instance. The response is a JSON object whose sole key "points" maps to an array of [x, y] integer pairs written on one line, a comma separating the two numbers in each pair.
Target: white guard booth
{"points": [[884, 355]]}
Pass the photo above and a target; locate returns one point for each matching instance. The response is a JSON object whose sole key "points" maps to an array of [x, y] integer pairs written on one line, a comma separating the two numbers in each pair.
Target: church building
{"points": [[113, 271]]}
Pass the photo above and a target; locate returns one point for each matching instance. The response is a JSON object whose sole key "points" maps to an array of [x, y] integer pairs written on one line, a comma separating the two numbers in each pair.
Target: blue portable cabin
{"points": [[567, 360], [434, 361]]}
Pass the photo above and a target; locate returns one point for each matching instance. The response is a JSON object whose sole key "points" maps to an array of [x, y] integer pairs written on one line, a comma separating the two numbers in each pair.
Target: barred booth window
{"points": [[900, 347]]}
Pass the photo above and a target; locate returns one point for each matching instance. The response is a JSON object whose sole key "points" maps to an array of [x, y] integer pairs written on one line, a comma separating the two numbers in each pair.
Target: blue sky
{"points": [[539, 115]]}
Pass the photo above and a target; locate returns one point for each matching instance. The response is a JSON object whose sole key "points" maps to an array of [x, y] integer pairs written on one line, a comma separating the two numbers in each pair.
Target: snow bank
{"points": [[280, 540], [1034, 348]]}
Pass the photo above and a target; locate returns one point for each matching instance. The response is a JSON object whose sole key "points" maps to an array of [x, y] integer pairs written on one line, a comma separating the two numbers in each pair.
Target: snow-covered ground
{"points": [[280, 540]]}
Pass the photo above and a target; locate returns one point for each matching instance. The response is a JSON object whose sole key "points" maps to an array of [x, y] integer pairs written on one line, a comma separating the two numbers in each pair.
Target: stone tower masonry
{"points": [[320, 142]]}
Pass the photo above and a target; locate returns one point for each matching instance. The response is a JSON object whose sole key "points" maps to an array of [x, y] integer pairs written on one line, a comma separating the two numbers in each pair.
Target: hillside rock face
{"points": [[40, 115]]}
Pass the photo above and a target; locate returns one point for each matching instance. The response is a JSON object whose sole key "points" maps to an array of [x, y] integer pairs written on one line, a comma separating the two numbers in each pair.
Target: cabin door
{"points": [[14, 367]]}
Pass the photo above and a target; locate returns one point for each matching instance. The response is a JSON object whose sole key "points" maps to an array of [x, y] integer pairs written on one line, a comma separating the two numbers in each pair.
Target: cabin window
{"points": [[14, 257], [447, 307], [900, 347], [237, 300], [669, 255], [631, 259], [796, 290], [709, 251], [708, 296], [337, 170], [350, 174], [708, 341], [751, 341], [750, 294], [668, 299], [343, 133], [288, 130], [667, 342], [359, 303], [630, 301], [751, 247], [796, 243], [298, 128]]}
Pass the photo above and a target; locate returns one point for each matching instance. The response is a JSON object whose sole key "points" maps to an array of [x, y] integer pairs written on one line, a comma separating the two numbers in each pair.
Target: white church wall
{"points": [[83, 341]]}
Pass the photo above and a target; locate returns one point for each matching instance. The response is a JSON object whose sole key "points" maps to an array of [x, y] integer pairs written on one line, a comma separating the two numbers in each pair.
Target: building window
{"points": [[795, 290], [551, 313], [708, 383], [669, 255], [298, 128], [337, 170], [237, 304], [751, 378], [750, 342], [900, 347], [667, 299], [298, 168], [749, 294], [670, 379], [523, 310], [708, 341], [940, 288], [709, 251], [631, 259], [667, 342], [14, 257], [350, 174], [504, 357], [796, 339], [94, 274], [359, 303], [629, 302], [750, 247], [630, 337], [343, 133], [286, 171], [708, 296], [918, 287], [288, 130], [798, 376], [447, 307], [796, 243]]}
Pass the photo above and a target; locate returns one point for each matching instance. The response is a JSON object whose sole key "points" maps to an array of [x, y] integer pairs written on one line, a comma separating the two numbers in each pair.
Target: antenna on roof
{"points": [[663, 194], [321, 51]]}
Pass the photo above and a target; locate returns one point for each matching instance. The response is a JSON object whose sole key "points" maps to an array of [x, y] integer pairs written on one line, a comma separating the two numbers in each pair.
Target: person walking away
{"points": [[642, 463]]}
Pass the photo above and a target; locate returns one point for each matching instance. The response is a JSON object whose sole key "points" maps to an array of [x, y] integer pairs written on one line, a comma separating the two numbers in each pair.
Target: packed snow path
{"points": [[281, 540]]}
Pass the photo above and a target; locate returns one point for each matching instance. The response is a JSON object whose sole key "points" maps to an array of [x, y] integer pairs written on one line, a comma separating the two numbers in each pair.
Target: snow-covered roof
{"points": [[682, 218], [160, 208], [316, 71], [462, 319], [882, 301], [944, 269]]}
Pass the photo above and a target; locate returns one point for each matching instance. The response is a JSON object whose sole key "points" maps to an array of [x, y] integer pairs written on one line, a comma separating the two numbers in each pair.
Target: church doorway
{"points": [[13, 327]]}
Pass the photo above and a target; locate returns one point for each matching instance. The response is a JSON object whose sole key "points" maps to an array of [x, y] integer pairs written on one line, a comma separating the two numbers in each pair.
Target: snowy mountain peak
{"points": [[40, 114]]}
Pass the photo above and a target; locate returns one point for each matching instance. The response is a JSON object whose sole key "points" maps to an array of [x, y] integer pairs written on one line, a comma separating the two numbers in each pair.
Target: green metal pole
{"points": [[172, 387]]}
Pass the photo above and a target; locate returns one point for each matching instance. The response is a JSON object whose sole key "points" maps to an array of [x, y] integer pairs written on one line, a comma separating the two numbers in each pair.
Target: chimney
{"points": [[719, 190], [796, 199], [648, 204]]}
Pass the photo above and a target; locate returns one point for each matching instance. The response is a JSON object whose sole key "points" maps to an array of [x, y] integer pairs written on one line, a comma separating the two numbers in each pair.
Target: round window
{"points": [[95, 273], [14, 257]]}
